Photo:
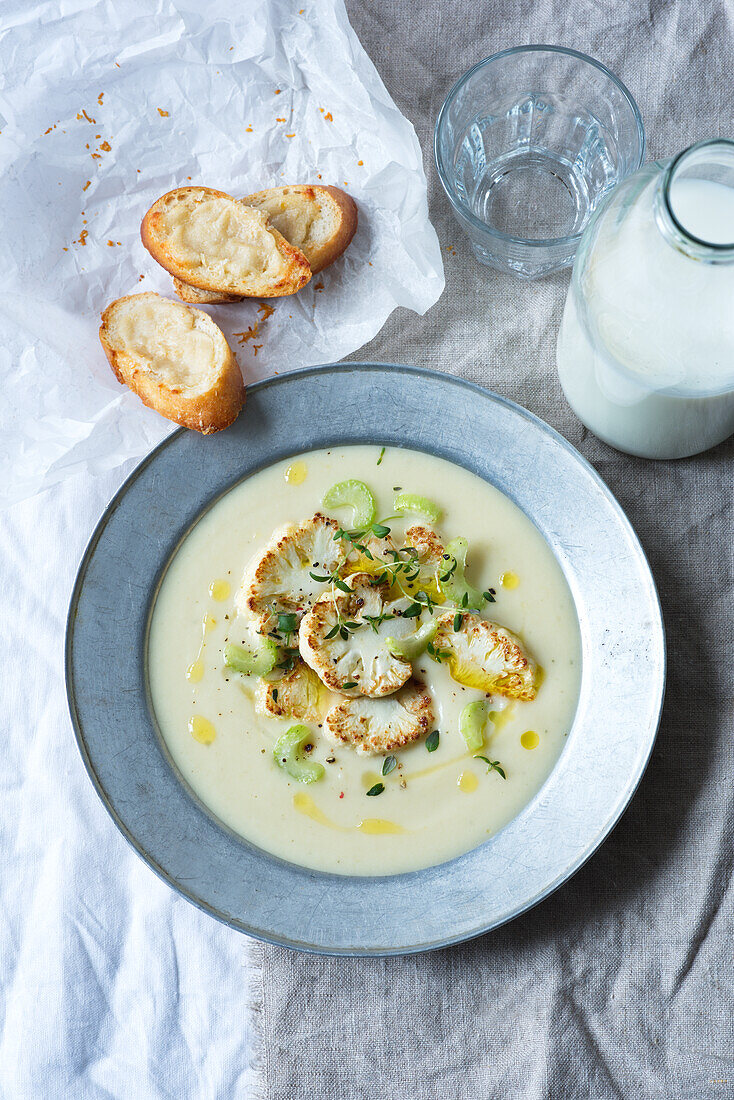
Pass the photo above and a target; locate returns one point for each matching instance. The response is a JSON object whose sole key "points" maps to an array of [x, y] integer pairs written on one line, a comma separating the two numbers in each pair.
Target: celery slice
{"points": [[252, 662], [288, 754], [472, 721], [456, 587], [355, 495], [412, 645], [412, 502]]}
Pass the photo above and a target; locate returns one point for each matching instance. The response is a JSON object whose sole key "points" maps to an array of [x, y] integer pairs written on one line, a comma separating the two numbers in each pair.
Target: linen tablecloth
{"points": [[620, 984]]}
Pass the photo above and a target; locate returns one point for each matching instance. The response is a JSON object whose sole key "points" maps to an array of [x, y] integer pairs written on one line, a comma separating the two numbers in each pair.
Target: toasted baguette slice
{"points": [[321, 221], [202, 297], [175, 359], [212, 241]]}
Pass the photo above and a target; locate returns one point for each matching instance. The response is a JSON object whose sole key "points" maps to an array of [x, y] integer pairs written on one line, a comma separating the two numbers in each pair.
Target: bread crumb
{"points": [[106, 146], [248, 129], [322, 110], [111, 244], [162, 113], [360, 163], [290, 135], [318, 286], [82, 237], [267, 311], [277, 91], [248, 334], [329, 117], [85, 115], [66, 250], [48, 131], [256, 348], [277, 120], [100, 97]]}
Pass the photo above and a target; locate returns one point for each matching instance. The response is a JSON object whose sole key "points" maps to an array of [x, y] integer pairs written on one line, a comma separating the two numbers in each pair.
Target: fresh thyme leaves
{"points": [[412, 611], [375, 620], [458, 620], [465, 600], [449, 572], [378, 788], [432, 741], [489, 596], [380, 530], [332, 633], [275, 695], [331, 578], [288, 663], [287, 623], [350, 684], [382, 455], [438, 655], [389, 764], [492, 765]]}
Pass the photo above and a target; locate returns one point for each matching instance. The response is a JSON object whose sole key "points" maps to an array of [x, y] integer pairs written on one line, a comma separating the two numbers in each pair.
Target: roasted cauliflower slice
{"points": [[427, 545], [369, 554], [278, 579], [481, 654], [342, 638], [295, 695], [382, 725]]}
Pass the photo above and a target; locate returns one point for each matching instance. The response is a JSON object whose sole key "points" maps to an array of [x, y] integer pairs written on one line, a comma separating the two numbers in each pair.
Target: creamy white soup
{"points": [[443, 776]]}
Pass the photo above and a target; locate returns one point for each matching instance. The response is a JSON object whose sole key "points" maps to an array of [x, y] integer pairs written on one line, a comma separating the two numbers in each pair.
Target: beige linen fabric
{"points": [[620, 985]]}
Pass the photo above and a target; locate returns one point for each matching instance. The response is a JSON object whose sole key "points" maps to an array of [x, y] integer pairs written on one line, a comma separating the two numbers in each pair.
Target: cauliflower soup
{"points": [[364, 660]]}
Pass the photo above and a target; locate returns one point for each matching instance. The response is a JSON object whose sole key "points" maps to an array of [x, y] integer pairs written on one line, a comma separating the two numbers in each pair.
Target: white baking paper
{"points": [[107, 106]]}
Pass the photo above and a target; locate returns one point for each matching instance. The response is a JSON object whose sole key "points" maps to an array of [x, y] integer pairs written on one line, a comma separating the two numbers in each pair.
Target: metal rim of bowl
{"points": [[464, 210], [632, 782]]}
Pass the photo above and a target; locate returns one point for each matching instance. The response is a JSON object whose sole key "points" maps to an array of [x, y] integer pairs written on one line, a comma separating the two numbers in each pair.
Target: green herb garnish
{"points": [[489, 596], [389, 764], [377, 789], [287, 623], [382, 455], [380, 530], [432, 741], [458, 620], [350, 684], [492, 765]]}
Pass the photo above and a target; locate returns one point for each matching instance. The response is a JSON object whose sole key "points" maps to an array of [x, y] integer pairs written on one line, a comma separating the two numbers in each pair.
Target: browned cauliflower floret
{"points": [[343, 636], [294, 695], [382, 725], [278, 579], [483, 655]]}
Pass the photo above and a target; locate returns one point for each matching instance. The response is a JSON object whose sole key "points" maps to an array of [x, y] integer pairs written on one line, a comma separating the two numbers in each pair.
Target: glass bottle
{"points": [[646, 346]]}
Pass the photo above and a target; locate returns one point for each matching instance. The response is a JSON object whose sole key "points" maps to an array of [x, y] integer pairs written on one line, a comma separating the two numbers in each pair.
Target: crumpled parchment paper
{"points": [[107, 106]]}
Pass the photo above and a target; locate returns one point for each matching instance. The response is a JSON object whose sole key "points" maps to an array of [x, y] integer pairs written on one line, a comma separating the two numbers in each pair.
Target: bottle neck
{"points": [[694, 202]]}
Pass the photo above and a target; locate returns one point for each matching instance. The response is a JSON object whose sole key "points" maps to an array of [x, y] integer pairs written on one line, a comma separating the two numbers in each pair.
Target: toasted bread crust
{"points": [[206, 412], [318, 256], [294, 272], [321, 256], [195, 296]]}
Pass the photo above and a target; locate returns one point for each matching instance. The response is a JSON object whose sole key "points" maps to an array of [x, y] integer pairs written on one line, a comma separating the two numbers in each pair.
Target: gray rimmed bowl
{"points": [[622, 683]]}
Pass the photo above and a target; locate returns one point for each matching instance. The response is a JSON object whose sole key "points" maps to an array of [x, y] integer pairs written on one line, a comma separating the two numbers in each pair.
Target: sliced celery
{"points": [[412, 502], [288, 754], [355, 495], [472, 721], [412, 645], [252, 662], [452, 579]]}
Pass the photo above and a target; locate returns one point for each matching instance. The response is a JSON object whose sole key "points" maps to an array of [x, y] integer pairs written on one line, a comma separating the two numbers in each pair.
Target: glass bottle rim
{"points": [[701, 248]]}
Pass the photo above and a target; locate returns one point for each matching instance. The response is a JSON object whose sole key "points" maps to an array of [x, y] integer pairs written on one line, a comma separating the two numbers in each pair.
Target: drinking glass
{"points": [[527, 144]]}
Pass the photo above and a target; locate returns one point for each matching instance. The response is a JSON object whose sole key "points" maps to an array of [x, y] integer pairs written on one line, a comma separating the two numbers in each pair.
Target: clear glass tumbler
{"points": [[527, 144]]}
